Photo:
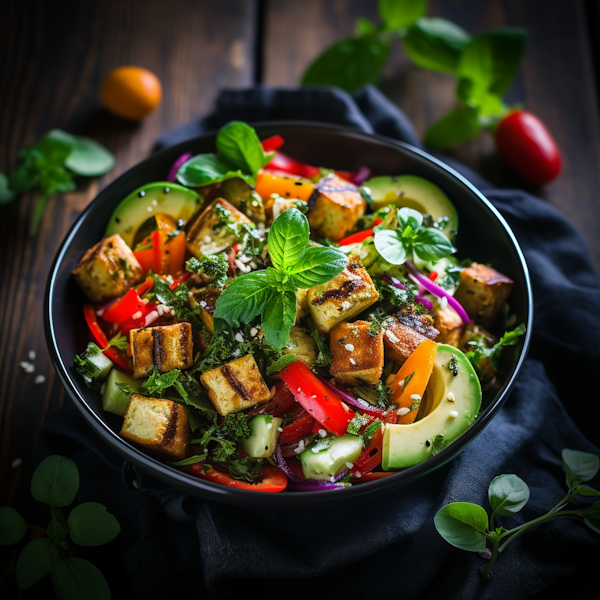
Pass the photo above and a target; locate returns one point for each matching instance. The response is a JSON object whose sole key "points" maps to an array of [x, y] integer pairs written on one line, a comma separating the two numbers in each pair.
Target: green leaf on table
{"points": [[488, 64], [579, 466], [288, 239], [36, 561], [278, 318], [591, 517], [12, 526], [88, 157], [91, 525], [79, 579], [508, 494], [458, 126], [399, 14], [55, 481], [463, 524], [435, 44], [205, 169], [349, 64], [319, 265], [6, 194], [238, 144]]}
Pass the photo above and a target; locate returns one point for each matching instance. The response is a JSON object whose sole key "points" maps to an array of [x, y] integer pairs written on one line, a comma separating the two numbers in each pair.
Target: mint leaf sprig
{"points": [[271, 293], [466, 525], [55, 482]]}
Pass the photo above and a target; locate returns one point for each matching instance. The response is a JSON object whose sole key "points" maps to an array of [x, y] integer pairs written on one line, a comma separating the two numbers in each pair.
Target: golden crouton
{"points": [[165, 347], [303, 345], [404, 332], [236, 386], [334, 208], [450, 326], [205, 300], [357, 354], [157, 426], [237, 192], [208, 233], [482, 291], [107, 270], [342, 298]]}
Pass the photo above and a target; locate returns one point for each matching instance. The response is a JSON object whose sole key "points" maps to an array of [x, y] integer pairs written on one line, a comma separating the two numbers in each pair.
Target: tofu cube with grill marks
{"points": [[236, 386], [207, 233], [107, 270], [342, 298], [404, 332], [165, 347], [205, 300], [482, 291], [449, 325], [159, 427], [335, 206], [357, 355]]}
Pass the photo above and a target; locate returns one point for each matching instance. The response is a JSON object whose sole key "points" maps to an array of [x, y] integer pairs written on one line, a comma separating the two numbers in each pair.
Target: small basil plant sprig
{"points": [[55, 482], [466, 525], [271, 293], [50, 165], [409, 237]]}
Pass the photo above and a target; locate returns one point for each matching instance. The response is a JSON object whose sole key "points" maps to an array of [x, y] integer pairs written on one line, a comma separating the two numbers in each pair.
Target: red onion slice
{"points": [[362, 404], [173, 170], [436, 290], [362, 175]]}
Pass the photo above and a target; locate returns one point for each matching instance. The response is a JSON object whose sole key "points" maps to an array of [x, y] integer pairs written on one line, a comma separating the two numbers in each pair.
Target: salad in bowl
{"points": [[269, 325]]}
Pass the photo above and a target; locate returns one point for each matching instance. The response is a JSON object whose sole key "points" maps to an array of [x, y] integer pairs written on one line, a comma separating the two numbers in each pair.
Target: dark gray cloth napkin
{"points": [[172, 544]]}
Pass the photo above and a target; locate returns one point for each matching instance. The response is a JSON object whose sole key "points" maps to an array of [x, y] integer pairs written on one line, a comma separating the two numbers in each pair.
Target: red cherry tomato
{"points": [[528, 147]]}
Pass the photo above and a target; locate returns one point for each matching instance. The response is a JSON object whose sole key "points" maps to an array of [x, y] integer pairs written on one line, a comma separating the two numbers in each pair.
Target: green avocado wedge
{"points": [[454, 395], [159, 197], [416, 193]]}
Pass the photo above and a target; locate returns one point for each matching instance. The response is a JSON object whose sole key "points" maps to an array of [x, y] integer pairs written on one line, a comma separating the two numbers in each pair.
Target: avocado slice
{"points": [[408, 445], [159, 197], [417, 193]]}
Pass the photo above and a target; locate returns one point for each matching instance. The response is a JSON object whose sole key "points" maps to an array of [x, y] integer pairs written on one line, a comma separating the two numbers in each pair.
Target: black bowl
{"points": [[484, 236]]}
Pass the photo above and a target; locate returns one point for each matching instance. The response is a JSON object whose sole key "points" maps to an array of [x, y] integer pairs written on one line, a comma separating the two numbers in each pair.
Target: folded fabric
{"points": [[173, 544]]}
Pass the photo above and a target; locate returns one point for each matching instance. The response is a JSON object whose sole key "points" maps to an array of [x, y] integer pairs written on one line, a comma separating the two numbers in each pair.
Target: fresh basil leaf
{"points": [[458, 126], [6, 194], [349, 64], [12, 526], [409, 217], [89, 158], [55, 481], [488, 64], [388, 242], [364, 26], [280, 280], [432, 244], [238, 144], [243, 299], [77, 579], [278, 318], [288, 238], [508, 494], [462, 524], [399, 14], [591, 517], [435, 44], [35, 561], [205, 169], [319, 265], [282, 363], [586, 490], [58, 533], [579, 466], [91, 525]]}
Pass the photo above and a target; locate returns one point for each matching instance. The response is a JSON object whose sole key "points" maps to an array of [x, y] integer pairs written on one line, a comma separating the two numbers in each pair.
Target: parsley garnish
{"points": [[212, 267]]}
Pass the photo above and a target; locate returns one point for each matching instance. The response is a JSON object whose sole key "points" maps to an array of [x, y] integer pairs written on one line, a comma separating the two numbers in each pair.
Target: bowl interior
{"points": [[483, 236]]}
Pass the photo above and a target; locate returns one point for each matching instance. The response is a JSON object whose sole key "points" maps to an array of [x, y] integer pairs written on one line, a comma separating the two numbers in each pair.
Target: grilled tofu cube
{"points": [[357, 355], [205, 300], [207, 233], [334, 208], [244, 198], [303, 345], [107, 270], [342, 298], [157, 426], [482, 291], [165, 347], [236, 386], [404, 332], [301, 304], [449, 325]]}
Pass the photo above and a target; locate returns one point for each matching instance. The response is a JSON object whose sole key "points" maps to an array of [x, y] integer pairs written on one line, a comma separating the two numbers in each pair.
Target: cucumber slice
{"points": [[261, 444], [114, 400], [327, 457]]}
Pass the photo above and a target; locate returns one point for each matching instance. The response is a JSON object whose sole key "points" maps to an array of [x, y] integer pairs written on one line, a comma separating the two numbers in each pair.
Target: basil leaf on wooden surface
{"points": [[87, 157], [463, 524], [55, 481], [508, 494]]}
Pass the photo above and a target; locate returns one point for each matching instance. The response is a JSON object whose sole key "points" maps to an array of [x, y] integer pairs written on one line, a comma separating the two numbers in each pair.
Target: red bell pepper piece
{"points": [[360, 236], [272, 143], [433, 275], [281, 404], [144, 287], [124, 308], [157, 248], [297, 429], [181, 279], [323, 404], [371, 455], [287, 164], [272, 478], [374, 476]]}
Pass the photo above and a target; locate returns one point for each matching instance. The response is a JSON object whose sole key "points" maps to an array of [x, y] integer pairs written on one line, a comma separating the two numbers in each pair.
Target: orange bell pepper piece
{"points": [[287, 187]]}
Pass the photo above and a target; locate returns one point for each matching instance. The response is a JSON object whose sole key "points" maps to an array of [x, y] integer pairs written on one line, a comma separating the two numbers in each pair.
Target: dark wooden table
{"points": [[53, 56]]}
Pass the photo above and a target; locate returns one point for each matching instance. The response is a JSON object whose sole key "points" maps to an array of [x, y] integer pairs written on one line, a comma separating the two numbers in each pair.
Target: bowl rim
{"points": [[304, 500]]}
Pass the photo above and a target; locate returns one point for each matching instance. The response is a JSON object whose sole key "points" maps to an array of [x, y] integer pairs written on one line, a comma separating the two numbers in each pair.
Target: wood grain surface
{"points": [[54, 55]]}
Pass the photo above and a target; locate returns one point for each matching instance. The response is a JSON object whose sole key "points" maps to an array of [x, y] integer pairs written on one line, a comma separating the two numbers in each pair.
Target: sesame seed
{"points": [[207, 239], [149, 209], [154, 203], [322, 433], [450, 397], [401, 383], [358, 474], [352, 361], [390, 336], [349, 465], [32, 355], [314, 396], [280, 429], [415, 397], [298, 390], [300, 447], [253, 332], [137, 315], [269, 425], [159, 309], [16, 463], [443, 302], [453, 414], [236, 352], [403, 411], [239, 337], [254, 203], [349, 347]]}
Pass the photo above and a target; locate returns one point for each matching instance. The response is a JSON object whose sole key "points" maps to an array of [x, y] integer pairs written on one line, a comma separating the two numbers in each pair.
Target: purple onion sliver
{"points": [[284, 466], [362, 175], [173, 170], [364, 405], [424, 302]]}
